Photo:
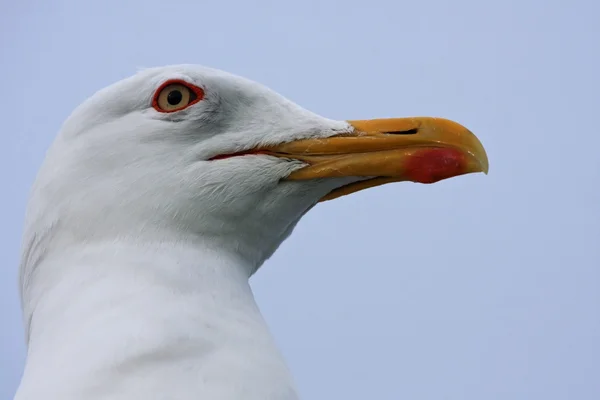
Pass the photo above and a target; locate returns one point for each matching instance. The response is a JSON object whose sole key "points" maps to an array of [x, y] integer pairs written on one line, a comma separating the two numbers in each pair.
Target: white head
{"points": [[133, 162], [121, 167]]}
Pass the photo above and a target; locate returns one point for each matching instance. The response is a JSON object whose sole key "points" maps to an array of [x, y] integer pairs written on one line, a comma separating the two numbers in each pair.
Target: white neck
{"points": [[122, 321]]}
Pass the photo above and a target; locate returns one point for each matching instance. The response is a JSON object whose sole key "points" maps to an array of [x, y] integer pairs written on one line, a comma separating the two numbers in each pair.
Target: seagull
{"points": [[160, 197]]}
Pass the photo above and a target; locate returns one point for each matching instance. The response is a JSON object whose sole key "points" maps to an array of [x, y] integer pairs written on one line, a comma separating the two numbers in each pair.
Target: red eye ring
{"points": [[176, 95]]}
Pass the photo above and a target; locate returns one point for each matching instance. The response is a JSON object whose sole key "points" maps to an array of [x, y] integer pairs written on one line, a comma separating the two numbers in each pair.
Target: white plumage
{"points": [[138, 247]]}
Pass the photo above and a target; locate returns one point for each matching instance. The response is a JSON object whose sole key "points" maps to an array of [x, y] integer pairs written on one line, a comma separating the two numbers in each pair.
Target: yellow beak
{"points": [[422, 149]]}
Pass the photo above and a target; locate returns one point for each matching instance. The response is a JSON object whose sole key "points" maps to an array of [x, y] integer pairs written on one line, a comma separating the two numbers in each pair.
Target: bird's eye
{"points": [[176, 95]]}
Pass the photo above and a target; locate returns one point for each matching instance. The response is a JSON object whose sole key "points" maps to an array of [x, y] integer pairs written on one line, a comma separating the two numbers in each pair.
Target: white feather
{"points": [[137, 250]]}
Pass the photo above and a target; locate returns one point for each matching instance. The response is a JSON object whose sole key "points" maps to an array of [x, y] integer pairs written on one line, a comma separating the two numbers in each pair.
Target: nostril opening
{"points": [[407, 132]]}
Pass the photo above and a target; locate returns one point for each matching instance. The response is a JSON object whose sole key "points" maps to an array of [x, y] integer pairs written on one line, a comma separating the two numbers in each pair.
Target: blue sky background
{"points": [[480, 287]]}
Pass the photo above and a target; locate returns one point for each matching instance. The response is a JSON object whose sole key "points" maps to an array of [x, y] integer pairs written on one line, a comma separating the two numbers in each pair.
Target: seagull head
{"points": [[194, 152]]}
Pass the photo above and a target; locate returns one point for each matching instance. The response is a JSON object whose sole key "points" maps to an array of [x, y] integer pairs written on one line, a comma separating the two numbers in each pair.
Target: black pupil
{"points": [[174, 97]]}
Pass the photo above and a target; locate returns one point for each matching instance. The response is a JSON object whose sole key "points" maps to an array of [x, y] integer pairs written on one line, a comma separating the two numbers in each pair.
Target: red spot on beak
{"points": [[433, 165]]}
